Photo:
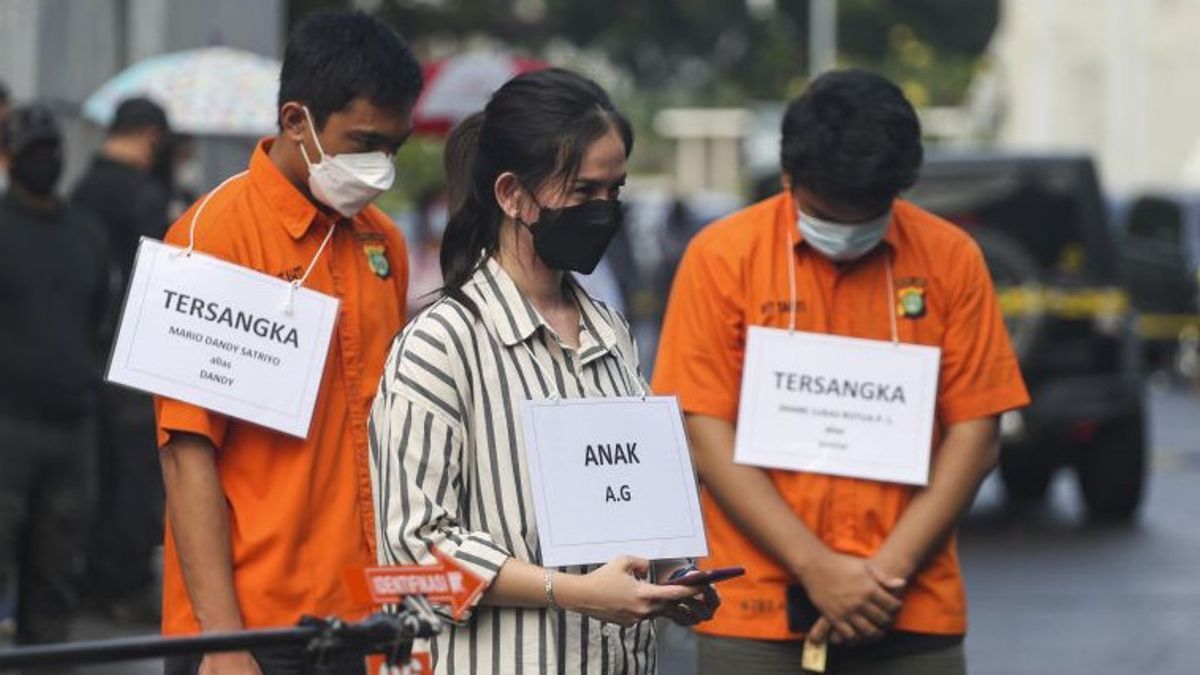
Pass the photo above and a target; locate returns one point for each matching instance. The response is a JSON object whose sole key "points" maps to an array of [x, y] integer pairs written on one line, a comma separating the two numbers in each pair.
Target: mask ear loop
{"points": [[313, 128], [891, 298], [288, 303], [191, 247]]}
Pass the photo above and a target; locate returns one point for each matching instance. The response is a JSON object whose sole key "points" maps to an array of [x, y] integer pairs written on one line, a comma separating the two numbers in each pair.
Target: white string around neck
{"points": [[793, 270], [289, 300]]}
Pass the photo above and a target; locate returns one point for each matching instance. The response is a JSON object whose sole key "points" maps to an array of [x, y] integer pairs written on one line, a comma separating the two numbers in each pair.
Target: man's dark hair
{"points": [[853, 139], [3, 93], [138, 114], [334, 57]]}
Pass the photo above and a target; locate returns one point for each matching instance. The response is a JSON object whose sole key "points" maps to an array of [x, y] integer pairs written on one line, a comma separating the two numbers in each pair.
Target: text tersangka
{"points": [[233, 318], [821, 385]]}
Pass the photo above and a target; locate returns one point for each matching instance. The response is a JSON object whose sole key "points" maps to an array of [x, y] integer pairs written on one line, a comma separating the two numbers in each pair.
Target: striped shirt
{"points": [[449, 468]]}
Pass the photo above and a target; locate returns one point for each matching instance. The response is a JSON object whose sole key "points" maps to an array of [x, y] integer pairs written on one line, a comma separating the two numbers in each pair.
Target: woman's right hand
{"points": [[617, 593]]}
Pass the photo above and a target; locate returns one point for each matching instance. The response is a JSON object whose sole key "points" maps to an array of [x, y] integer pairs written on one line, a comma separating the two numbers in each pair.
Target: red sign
{"points": [[444, 582]]}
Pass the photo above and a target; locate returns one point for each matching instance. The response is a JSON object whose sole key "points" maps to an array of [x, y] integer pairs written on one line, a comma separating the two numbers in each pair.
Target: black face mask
{"points": [[37, 169], [575, 238]]}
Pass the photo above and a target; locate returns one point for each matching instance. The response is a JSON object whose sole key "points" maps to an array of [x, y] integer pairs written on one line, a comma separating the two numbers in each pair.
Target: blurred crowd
{"points": [[79, 456]]}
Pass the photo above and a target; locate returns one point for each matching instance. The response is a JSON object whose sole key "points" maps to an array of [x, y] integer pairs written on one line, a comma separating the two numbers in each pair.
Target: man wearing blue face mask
{"points": [[261, 525], [838, 546]]}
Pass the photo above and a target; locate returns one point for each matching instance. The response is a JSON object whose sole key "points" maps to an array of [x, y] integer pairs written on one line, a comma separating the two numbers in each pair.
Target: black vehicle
{"points": [[1041, 222], [1160, 254]]}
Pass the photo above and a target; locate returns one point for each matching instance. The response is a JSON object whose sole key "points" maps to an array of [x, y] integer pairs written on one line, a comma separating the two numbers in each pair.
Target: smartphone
{"points": [[801, 612], [705, 577]]}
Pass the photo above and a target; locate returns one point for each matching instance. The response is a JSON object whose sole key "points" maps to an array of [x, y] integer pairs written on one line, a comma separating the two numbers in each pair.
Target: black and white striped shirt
{"points": [[449, 468]]}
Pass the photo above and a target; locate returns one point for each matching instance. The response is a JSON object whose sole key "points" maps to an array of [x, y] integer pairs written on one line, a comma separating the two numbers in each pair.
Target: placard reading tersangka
{"points": [[612, 476], [215, 334], [837, 405]]}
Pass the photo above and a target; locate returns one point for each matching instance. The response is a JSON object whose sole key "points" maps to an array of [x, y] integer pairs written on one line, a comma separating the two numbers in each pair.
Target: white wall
{"points": [[1117, 78]]}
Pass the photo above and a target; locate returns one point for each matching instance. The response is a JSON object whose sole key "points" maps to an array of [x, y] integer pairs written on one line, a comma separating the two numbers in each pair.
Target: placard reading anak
{"points": [[612, 476], [837, 405], [215, 334]]}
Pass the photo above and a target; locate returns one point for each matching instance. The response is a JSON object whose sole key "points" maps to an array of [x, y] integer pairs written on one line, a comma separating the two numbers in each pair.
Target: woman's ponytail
{"points": [[470, 229]]}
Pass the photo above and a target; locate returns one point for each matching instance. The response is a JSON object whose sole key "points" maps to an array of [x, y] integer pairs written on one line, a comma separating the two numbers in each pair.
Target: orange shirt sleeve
{"points": [[176, 416], [703, 335], [980, 375]]}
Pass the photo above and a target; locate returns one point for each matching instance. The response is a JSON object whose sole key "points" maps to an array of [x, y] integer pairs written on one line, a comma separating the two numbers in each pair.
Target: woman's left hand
{"points": [[695, 609]]}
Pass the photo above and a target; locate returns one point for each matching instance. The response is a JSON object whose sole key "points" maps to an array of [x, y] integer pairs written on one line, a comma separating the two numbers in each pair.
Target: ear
{"points": [[785, 180], [293, 121], [512, 198]]}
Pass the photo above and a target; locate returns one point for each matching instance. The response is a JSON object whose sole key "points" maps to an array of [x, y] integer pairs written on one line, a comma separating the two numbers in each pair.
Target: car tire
{"points": [[1112, 475], [1026, 475]]}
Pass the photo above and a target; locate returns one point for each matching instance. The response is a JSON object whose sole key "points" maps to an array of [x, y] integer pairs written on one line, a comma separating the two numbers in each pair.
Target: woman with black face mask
{"points": [[533, 187]]}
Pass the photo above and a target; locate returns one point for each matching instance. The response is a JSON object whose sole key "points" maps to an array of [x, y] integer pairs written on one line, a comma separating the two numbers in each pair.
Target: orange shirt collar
{"points": [[296, 213], [788, 214]]}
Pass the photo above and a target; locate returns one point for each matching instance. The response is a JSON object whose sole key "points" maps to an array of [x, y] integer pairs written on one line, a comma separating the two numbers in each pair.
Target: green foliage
{"points": [[419, 169], [701, 52]]}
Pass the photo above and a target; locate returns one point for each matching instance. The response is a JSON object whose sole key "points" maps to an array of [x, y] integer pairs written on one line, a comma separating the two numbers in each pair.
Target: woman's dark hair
{"points": [[538, 126], [336, 56], [852, 138]]}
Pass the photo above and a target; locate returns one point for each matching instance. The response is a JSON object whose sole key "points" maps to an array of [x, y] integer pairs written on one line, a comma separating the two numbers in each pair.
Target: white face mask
{"points": [[840, 242], [348, 182]]}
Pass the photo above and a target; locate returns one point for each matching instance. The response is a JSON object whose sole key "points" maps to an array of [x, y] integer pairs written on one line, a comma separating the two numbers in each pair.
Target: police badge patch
{"points": [[377, 259], [910, 302]]}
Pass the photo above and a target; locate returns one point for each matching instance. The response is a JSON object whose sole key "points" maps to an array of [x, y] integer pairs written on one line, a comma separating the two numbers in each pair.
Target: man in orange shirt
{"points": [[872, 566], [260, 524]]}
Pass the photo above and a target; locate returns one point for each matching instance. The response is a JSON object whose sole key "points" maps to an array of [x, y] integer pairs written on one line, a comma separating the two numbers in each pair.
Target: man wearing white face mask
{"points": [[838, 263], [262, 525]]}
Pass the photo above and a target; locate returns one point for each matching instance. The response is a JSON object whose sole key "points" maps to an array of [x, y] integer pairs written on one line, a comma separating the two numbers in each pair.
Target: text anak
{"points": [[234, 318], [610, 454], [821, 385]]}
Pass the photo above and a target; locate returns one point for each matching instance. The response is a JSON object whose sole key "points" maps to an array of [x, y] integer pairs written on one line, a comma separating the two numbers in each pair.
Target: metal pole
{"points": [[135, 649], [380, 633], [822, 36]]}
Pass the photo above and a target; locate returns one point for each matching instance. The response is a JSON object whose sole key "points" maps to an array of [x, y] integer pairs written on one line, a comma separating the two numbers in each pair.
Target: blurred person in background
{"points": [[8, 619], [177, 170], [119, 185], [120, 189], [54, 292], [425, 272], [4, 103], [870, 565]]}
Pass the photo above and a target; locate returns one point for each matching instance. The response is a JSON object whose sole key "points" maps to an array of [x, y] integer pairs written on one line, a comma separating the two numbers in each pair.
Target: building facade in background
{"points": [[60, 51]]}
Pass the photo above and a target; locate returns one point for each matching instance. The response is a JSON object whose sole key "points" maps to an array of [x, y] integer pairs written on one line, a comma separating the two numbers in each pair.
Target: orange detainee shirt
{"points": [[734, 275], [299, 509]]}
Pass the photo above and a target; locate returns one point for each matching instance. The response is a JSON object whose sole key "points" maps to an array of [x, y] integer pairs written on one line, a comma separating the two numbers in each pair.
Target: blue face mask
{"points": [[843, 243]]}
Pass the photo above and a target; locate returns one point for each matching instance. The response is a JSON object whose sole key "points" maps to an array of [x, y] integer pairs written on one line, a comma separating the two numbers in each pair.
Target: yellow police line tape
{"points": [[1091, 303]]}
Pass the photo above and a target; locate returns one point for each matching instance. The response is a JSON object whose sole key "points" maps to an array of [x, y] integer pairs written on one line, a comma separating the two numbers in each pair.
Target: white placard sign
{"points": [[215, 334], [837, 405], [612, 476]]}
